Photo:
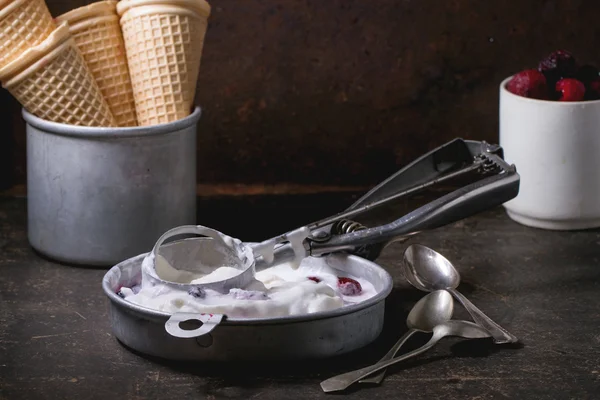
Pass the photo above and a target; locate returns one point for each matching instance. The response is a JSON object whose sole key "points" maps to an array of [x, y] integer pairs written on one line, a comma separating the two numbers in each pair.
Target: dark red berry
{"points": [[197, 292], [592, 92], [314, 278], [529, 83], [587, 74], [348, 286], [559, 64], [570, 89]]}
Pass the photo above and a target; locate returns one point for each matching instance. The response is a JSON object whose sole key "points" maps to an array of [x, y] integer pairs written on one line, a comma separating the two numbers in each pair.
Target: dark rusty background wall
{"points": [[345, 91]]}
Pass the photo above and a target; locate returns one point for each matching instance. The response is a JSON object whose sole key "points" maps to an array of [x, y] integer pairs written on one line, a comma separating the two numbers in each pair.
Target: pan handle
{"points": [[208, 323]]}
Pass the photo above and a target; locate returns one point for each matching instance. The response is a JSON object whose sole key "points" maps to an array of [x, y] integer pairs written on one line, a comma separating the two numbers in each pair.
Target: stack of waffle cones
{"points": [[112, 64]]}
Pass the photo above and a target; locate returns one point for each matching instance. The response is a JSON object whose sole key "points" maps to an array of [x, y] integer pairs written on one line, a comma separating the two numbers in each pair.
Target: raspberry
{"points": [[559, 64], [587, 73], [570, 89], [348, 286], [314, 278], [529, 83]]}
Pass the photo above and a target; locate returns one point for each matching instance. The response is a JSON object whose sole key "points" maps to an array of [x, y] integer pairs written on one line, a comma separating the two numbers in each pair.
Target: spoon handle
{"points": [[499, 334], [341, 382], [377, 378]]}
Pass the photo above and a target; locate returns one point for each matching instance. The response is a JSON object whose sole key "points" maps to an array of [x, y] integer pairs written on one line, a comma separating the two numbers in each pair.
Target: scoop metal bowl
{"points": [[219, 250]]}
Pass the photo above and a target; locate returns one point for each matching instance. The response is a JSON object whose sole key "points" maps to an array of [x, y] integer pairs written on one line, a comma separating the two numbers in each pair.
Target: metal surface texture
{"points": [[307, 336], [97, 196]]}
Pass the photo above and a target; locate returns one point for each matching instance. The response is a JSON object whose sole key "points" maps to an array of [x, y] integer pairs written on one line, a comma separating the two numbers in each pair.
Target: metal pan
{"points": [[307, 336]]}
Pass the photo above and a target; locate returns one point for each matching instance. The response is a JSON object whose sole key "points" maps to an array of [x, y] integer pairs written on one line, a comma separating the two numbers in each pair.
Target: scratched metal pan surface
{"points": [[307, 336]]}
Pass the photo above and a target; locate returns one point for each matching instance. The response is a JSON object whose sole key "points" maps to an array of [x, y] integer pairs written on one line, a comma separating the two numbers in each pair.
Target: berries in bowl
{"points": [[550, 130], [558, 77]]}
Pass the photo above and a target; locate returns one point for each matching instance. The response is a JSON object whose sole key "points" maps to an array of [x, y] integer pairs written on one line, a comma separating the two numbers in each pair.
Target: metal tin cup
{"points": [[556, 148], [97, 196]]}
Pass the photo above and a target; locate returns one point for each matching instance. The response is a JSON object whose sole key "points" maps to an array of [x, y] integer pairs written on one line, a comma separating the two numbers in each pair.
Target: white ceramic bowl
{"points": [[556, 149]]}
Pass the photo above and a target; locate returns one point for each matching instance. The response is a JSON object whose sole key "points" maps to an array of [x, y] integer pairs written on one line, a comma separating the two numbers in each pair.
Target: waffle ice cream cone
{"points": [[164, 42], [97, 33], [52, 81], [23, 24]]}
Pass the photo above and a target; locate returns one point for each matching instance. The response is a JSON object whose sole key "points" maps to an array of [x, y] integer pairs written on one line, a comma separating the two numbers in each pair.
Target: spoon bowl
{"points": [[430, 311], [428, 270]]}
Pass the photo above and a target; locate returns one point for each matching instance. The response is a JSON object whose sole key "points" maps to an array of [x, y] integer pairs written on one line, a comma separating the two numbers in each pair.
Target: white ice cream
{"points": [[166, 272], [277, 291]]}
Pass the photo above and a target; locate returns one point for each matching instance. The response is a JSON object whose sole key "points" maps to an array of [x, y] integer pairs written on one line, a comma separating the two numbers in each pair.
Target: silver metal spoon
{"points": [[428, 270], [433, 309], [460, 328]]}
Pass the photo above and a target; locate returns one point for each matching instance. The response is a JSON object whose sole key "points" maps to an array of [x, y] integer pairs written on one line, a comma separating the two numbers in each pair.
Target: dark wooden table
{"points": [[56, 343]]}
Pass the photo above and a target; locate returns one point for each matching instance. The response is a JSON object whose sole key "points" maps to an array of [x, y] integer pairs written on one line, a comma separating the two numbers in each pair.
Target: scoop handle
{"points": [[457, 205], [268, 254]]}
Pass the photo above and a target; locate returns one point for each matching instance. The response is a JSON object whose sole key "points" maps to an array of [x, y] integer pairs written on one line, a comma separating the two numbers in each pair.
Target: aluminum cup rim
{"points": [[62, 129]]}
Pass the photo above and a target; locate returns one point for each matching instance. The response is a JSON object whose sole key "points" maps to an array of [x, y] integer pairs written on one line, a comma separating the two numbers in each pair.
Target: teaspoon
{"points": [[428, 270]]}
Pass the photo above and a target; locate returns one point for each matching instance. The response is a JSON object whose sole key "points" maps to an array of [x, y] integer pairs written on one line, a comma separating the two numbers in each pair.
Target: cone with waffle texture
{"points": [[164, 42], [23, 24], [97, 33], [52, 81]]}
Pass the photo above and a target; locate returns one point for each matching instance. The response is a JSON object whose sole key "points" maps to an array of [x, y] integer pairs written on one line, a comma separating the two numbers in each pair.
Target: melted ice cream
{"points": [[166, 272], [277, 291]]}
